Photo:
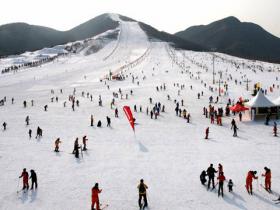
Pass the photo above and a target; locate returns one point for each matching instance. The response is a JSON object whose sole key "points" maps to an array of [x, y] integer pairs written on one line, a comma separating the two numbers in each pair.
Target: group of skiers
{"points": [[211, 171]]}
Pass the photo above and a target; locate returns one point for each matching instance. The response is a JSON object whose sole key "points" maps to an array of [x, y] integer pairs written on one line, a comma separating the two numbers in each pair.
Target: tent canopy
{"points": [[238, 108], [277, 101], [260, 101]]}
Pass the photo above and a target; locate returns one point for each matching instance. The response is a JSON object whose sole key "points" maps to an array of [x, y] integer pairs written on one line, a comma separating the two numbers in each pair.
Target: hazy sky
{"points": [[167, 15]]}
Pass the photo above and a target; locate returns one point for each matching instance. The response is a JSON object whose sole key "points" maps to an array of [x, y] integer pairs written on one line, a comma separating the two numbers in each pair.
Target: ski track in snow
{"points": [[167, 153]]}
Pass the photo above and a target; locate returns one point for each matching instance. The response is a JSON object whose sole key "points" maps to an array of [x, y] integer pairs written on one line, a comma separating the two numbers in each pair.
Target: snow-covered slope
{"points": [[168, 153]]}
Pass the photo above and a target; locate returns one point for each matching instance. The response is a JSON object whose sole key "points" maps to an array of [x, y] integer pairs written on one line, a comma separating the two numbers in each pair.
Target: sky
{"points": [[167, 15]]}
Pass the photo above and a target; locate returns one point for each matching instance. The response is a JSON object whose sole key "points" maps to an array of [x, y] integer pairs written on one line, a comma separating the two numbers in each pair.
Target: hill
{"points": [[237, 38]]}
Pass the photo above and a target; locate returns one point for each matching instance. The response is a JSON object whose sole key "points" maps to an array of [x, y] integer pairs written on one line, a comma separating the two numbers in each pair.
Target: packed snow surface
{"points": [[168, 153]]}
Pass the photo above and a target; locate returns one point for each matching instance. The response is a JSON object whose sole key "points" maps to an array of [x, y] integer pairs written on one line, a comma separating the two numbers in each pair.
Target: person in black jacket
{"points": [[211, 175], [33, 177], [142, 187], [203, 177]]}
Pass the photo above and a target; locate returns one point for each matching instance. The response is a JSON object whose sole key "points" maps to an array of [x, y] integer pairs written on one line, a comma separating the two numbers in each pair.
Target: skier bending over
{"points": [[249, 180]]}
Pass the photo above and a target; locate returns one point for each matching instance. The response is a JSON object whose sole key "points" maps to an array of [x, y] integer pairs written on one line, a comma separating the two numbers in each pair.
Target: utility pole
{"points": [[247, 84]]}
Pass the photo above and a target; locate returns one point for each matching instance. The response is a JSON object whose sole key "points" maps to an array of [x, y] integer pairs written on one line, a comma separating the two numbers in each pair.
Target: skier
{"points": [[24, 104], [142, 187], [4, 126], [116, 113], [275, 129], [91, 120], [234, 130], [85, 143], [46, 108], [76, 148], [211, 175], [230, 185], [94, 197], [267, 181], [240, 116], [249, 180], [24, 176], [27, 120], [30, 133], [108, 121], [206, 133], [33, 177], [56, 144], [203, 177], [221, 179], [39, 132]]}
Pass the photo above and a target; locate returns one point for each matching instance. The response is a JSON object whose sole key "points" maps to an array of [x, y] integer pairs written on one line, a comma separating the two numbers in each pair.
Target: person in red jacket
{"points": [[267, 180], [249, 180], [221, 179], [24, 176], [94, 197]]}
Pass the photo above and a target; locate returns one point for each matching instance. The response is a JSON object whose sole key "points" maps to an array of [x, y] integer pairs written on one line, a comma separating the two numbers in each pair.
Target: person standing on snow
{"points": [[230, 185], [211, 175], [221, 179], [30, 133], [4, 126], [108, 121], [27, 120], [206, 133], [240, 116], [94, 197], [24, 176], [249, 180], [91, 120], [56, 144], [76, 148], [267, 181], [142, 187], [275, 129], [85, 143], [33, 177]]}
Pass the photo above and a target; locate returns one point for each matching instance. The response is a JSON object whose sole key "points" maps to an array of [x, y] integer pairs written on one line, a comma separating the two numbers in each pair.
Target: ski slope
{"points": [[168, 153]]}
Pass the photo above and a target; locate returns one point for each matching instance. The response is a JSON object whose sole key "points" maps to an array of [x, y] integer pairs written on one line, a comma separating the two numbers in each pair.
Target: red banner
{"points": [[129, 115]]}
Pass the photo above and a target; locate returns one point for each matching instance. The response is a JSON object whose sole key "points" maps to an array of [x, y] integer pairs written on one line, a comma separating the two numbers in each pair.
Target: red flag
{"points": [[129, 115]]}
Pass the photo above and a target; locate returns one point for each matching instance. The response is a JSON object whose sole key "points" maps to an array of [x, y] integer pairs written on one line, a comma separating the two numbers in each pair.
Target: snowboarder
{"points": [[94, 197], [203, 177], [267, 181], [230, 185], [221, 179], [249, 180], [33, 177], [85, 143], [4, 126], [30, 133], [142, 187], [24, 176], [56, 144], [206, 133], [211, 175]]}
